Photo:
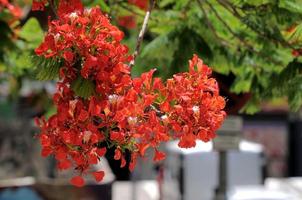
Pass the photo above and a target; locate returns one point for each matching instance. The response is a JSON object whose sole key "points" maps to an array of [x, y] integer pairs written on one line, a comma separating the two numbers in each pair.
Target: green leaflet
{"points": [[32, 33], [291, 5], [82, 87], [295, 37], [104, 7], [46, 69]]}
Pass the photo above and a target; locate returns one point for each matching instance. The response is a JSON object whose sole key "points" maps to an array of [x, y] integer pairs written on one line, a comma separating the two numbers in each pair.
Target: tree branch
{"points": [[210, 25], [131, 10], [142, 32], [228, 6], [241, 40], [51, 4]]}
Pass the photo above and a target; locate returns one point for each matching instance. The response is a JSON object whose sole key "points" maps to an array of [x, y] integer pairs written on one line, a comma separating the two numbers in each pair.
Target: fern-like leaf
{"points": [[83, 87], [46, 68]]}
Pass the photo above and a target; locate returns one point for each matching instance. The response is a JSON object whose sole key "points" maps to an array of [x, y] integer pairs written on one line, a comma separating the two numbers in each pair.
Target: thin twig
{"points": [[228, 6], [131, 10], [241, 40], [53, 8], [142, 32]]}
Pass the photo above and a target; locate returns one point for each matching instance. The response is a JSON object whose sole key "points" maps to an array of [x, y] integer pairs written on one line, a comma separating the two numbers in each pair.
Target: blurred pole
{"points": [[221, 190], [160, 179], [134, 186], [228, 138]]}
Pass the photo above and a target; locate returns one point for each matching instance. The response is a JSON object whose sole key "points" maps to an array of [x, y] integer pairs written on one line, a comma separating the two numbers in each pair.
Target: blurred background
{"points": [[254, 48]]}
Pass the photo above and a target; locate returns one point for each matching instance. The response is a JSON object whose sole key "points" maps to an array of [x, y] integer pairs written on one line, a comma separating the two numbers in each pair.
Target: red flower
{"points": [[129, 114]]}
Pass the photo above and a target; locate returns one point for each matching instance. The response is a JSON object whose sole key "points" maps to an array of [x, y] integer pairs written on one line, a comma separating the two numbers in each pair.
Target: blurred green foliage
{"points": [[251, 41]]}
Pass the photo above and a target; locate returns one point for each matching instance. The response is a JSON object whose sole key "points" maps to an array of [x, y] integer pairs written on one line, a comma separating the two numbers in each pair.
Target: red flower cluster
{"points": [[128, 114], [14, 10]]}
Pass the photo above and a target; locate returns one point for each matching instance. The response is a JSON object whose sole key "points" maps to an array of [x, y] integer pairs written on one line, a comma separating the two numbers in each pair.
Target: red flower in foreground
{"points": [[128, 114]]}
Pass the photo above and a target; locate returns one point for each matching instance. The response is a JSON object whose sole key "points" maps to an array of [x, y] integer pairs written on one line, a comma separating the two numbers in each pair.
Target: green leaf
{"points": [[291, 5], [83, 87], [104, 7], [164, 3], [257, 2], [46, 68], [295, 36], [32, 33], [155, 45], [251, 107]]}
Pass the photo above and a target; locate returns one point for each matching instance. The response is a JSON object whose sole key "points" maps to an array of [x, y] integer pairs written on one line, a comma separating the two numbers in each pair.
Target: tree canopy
{"points": [[256, 44]]}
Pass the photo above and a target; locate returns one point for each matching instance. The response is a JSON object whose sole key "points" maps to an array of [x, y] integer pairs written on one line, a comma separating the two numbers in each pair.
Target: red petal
{"points": [[98, 175], [133, 161], [187, 141], [123, 162], [165, 107], [77, 181], [148, 99], [83, 115], [60, 155], [68, 56], [142, 148], [93, 159], [117, 154], [46, 152], [117, 136], [65, 164], [101, 152], [159, 156], [131, 95]]}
